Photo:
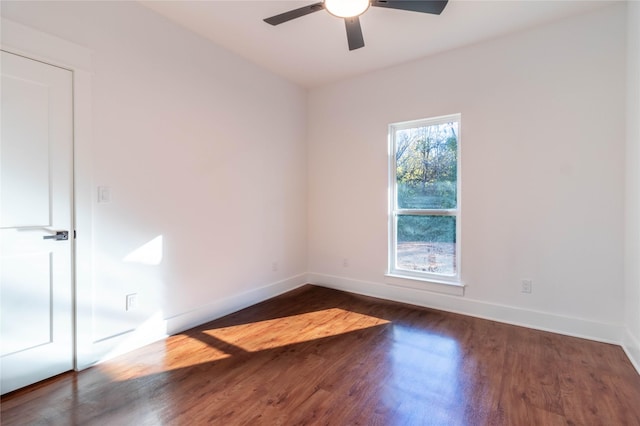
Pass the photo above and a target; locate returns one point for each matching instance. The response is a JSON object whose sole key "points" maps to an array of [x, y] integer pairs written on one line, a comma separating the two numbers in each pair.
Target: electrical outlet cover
{"points": [[132, 301]]}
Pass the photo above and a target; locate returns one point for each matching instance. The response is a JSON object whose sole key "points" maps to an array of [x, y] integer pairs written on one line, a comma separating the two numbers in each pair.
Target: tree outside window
{"points": [[424, 219]]}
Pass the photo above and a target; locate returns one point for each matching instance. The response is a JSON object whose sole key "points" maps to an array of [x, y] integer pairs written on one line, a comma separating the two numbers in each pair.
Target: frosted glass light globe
{"points": [[346, 8]]}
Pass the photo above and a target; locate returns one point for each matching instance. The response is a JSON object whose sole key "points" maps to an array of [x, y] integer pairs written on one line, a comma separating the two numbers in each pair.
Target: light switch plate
{"points": [[104, 195]]}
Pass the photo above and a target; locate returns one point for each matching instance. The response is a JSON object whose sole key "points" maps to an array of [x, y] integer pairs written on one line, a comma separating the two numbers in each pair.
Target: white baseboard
{"points": [[157, 327], [631, 346], [228, 305], [151, 330], [545, 321]]}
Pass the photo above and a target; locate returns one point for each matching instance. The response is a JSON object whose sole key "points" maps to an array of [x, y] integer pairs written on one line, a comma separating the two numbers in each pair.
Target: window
{"points": [[424, 219]]}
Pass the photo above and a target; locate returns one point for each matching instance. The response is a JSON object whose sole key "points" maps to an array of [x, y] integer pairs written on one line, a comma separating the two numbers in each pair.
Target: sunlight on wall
{"points": [[147, 254]]}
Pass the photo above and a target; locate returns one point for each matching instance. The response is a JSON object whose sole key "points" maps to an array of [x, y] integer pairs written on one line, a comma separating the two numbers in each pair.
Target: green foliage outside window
{"points": [[426, 177]]}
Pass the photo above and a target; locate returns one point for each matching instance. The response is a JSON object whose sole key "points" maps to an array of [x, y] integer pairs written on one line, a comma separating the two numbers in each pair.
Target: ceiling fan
{"points": [[350, 10]]}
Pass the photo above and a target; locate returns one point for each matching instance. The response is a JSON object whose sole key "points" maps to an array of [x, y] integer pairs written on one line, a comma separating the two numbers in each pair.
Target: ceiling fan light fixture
{"points": [[350, 10], [346, 8]]}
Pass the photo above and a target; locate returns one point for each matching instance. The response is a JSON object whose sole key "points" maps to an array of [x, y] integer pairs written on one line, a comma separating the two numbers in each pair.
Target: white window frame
{"points": [[394, 211]]}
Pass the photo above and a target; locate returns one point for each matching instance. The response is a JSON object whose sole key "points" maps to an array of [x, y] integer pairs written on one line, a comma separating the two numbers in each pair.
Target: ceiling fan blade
{"points": [[354, 33], [425, 6], [293, 14]]}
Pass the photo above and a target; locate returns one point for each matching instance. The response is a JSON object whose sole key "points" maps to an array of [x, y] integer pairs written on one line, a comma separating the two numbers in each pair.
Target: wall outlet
{"points": [[132, 301], [345, 263], [526, 286], [274, 266]]}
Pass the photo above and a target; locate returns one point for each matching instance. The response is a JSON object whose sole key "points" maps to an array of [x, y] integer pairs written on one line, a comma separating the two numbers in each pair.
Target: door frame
{"points": [[34, 44]]}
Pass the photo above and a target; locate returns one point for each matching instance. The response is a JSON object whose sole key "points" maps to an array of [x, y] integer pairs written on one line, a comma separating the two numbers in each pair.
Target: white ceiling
{"points": [[312, 50]]}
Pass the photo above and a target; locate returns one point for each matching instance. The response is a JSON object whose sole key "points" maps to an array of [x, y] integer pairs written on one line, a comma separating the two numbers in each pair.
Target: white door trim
{"points": [[19, 39]]}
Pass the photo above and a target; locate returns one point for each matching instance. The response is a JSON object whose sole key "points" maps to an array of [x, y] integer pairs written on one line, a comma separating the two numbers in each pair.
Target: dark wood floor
{"points": [[319, 356]]}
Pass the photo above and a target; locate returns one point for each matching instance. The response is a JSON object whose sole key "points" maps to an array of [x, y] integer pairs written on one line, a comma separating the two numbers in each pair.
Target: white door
{"points": [[36, 298]]}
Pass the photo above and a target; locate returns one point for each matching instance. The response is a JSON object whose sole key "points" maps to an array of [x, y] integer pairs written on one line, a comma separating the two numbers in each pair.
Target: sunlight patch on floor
{"points": [[173, 355], [202, 347], [277, 332]]}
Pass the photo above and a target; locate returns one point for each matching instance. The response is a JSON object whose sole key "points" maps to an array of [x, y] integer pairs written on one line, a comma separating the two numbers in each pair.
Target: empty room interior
{"points": [[431, 218]]}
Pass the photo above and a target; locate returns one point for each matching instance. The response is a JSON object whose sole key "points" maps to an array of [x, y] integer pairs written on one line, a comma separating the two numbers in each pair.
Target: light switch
{"points": [[104, 195]]}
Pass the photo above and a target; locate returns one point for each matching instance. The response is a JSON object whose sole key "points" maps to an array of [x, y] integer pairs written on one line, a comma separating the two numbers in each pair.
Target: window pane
{"points": [[426, 166], [426, 244]]}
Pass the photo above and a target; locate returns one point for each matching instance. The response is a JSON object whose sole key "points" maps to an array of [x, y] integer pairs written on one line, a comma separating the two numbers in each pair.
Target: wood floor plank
{"points": [[317, 356], [529, 378], [593, 397]]}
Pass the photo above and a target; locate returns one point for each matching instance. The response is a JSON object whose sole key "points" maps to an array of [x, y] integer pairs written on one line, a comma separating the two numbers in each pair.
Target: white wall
{"points": [[200, 148], [632, 195], [543, 143], [207, 151]]}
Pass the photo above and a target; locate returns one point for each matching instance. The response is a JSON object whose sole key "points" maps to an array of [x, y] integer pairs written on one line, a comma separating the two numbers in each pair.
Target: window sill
{"points": [[446, 287]]}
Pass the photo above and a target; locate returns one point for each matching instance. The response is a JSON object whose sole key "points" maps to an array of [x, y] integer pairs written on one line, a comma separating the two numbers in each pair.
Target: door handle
{"points": [[58, 236]]}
